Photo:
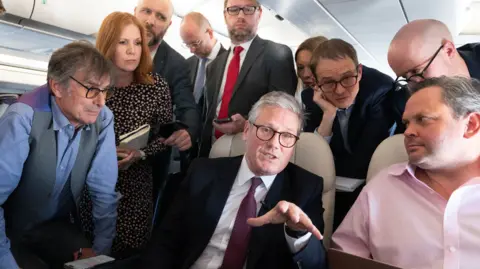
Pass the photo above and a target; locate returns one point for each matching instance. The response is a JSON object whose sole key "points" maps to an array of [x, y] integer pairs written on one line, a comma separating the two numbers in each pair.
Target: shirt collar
{"points": [[245, 45], [59, 119], [245, 174], [215, 50]]}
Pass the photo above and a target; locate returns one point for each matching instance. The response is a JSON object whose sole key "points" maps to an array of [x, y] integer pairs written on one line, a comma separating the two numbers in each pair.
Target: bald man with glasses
{"points": [[198, 36], [424, 49]]}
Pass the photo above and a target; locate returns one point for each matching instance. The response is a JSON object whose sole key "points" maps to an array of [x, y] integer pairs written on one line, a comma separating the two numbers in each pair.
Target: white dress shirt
{"points": [[212, 256], [213, 54], [243, 54]]}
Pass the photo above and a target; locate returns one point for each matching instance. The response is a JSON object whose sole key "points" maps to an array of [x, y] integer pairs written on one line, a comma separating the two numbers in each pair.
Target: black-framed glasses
{"points": [[93, 92], [402, 82], [191, 45], [247, 10], [346, 82], [266, 133]]}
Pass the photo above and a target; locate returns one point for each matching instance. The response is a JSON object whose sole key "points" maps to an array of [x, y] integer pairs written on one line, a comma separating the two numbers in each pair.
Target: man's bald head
{"points": [[195, 19], [415, 43], [197, 34]]}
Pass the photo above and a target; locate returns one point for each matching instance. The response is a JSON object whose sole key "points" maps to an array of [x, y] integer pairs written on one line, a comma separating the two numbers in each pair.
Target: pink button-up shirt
{"points": [[398, 219]]}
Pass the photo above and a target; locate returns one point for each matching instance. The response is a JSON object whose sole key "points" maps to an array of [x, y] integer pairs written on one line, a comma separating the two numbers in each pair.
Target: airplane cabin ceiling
{"points": [[368, 24]]}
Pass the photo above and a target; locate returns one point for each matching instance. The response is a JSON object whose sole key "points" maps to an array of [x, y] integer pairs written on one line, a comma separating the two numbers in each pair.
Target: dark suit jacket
{"points": [[368, 125], [173, 67], [268, 66], [398, 99], [193, 64], [189, 225]]}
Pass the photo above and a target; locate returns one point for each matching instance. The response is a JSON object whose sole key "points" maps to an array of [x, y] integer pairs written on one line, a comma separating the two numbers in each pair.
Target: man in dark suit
{"points": [[157, 17], [197, 35], [423, 49], [213, 222], [238, 78], [350, 97], [353, 119]]}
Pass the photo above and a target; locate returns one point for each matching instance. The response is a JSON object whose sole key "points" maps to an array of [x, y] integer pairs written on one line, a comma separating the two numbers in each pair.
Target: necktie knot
{"points": [[237, 50], [256, 181]]}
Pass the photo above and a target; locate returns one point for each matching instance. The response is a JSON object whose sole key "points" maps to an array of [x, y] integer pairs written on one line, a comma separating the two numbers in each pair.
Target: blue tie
{"points": [[200, 80], [343, 122]]}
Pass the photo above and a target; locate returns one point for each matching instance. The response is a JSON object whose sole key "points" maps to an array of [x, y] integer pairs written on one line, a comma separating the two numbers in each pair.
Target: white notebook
{"points": [[348, 184], [88, 263], [136, 139]]}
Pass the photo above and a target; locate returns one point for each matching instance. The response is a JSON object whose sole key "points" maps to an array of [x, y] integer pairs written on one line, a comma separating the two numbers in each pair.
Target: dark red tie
{"points": [[232, 74], [236, 252]]}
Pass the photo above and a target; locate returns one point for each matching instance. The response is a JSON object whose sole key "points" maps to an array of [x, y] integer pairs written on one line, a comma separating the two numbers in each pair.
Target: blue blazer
{"points": [[368, 126]]}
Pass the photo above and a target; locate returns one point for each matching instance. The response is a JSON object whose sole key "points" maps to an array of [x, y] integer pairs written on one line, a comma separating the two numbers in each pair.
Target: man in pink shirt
{"points": [[425, 213]]}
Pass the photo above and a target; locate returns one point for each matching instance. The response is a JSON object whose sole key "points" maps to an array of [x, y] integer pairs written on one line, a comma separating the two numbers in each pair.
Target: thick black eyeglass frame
{"points": [[273, 134], [402, 82]]}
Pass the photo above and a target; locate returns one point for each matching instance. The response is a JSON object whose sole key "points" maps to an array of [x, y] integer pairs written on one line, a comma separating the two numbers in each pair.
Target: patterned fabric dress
{"points": [[132, 107]]}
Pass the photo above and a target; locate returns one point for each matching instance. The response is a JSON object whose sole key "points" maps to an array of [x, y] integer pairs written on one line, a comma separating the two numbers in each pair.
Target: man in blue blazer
{"points": [[347, 108]]}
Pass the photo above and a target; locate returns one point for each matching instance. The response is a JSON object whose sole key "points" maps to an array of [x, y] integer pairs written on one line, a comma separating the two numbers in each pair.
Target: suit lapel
{"points": [[260, 235], [195, 68], [253, 52], [159, 58], [215, 203]]}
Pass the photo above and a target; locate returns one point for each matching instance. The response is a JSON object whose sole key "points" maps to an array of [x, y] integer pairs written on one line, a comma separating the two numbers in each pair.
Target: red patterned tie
{"points": [[232, 74], [236, 252]]}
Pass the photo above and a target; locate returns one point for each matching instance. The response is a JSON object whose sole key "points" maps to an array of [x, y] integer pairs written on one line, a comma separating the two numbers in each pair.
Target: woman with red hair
{"points": [[140, 98]]}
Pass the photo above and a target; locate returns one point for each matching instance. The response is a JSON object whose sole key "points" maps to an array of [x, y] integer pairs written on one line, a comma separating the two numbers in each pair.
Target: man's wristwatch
{"points": [[293, 233]]}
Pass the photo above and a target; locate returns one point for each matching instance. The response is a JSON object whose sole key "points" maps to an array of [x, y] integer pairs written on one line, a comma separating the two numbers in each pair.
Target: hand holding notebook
{"points": [[136, 139]]}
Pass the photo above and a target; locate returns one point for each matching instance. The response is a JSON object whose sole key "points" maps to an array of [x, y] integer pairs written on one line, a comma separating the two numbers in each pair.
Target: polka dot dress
{"points": [[132, 107]]}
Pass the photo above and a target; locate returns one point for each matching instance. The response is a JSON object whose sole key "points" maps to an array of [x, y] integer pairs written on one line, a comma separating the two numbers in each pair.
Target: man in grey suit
{"points": [[237, 79], [197, 35]]}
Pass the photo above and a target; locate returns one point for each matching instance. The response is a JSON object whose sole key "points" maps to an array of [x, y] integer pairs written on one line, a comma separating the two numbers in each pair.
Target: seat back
{"points": [[390, 151], [312, 153]]}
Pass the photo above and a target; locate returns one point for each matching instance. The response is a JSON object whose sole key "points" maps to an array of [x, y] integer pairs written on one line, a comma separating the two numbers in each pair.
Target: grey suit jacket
{"points": [[268, 66]]}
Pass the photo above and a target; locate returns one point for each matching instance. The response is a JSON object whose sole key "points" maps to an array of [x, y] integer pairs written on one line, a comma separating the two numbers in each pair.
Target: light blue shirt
{"points": [[15, 127]]}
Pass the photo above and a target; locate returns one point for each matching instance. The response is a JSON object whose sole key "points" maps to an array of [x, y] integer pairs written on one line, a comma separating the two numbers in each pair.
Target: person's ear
{"points": [[472, 126]]}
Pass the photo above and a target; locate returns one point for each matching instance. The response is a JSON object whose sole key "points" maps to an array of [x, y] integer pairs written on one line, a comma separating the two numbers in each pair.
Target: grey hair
{"points": [[278, 99], [461, 94], [79, 56]]}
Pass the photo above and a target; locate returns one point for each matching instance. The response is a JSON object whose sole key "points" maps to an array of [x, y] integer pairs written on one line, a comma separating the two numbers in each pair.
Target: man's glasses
{"points": [[192, 45], [247, 10], [266, 133], [93, 92], [402, 82], [346, 82]]}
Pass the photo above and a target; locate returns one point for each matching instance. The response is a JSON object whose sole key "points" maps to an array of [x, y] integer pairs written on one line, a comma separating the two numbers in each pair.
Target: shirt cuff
{"points": [[296, 244], [327, 138]]}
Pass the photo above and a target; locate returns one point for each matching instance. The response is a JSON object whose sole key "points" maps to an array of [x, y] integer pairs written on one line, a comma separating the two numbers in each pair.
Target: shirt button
{"points": [[62, 167], [452, 249]]}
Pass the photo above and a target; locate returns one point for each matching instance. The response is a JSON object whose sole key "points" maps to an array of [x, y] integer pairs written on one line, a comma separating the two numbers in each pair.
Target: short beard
{"points": [[241, 36], [155, 39]]}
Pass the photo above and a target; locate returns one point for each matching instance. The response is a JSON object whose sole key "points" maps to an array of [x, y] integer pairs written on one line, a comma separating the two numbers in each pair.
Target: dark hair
{"points": [[310, 44], [333, 49], [78, 56], [461, 94]]}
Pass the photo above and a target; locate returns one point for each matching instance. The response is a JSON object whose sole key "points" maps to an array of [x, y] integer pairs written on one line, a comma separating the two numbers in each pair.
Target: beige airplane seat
{"points": [[390, 151], [312, 153]]}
